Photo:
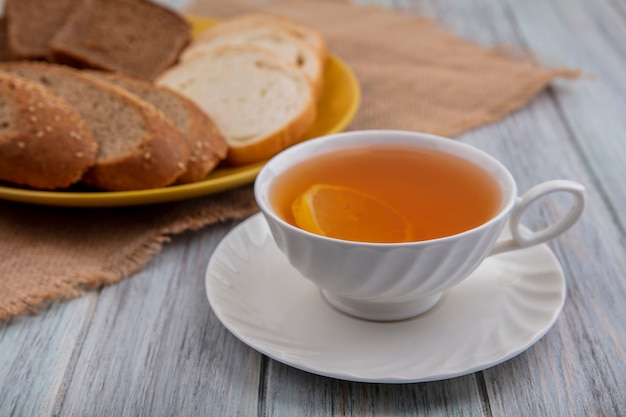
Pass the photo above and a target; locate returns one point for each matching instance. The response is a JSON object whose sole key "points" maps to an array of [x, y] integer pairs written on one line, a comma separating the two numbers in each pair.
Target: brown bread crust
{"points": [[155, 159], [206, 144], [44, 143], [4, 49], [147, 44], [203, 134], [32, 23]]}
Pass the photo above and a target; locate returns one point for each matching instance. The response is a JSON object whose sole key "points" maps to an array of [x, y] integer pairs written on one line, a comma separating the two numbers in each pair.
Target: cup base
{"points": [[382, 311]]}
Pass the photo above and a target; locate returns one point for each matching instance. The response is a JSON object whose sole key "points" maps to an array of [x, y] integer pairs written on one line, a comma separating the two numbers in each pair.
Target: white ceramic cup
{"points": [[393, 281]]}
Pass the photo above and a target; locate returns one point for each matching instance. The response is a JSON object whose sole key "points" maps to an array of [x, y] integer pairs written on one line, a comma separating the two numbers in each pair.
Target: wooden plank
{"points": [[291, 392], [567, 372], [588, 36], [562, 371], [155, 348], [548, 379], [37, 356]]}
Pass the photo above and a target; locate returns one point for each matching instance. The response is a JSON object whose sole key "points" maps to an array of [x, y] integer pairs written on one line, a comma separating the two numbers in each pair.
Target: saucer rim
{"points": [[352, 377]]}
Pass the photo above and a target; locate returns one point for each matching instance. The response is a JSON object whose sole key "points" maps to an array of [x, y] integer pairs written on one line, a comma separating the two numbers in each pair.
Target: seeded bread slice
{"points": [[44, 143], [206, 144], [139, 147], [32, 23], [138, 38], [260, 104]]}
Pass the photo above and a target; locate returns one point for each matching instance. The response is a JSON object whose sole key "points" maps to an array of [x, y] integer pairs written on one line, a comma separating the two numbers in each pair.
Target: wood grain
{"points": [[562, 374], [152, 346], [163, 352]]}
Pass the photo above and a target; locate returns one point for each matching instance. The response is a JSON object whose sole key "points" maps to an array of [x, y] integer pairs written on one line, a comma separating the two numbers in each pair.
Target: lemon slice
{"points": [[345, 213]]}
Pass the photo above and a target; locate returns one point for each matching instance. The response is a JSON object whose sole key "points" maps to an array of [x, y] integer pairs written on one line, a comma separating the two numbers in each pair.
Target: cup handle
{"points": [[523, 238]]}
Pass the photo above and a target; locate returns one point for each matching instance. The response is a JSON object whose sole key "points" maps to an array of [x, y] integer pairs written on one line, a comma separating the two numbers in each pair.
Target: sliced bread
{"points": [[252, 20], [260, 104], [139, 147], [138, 38], [284, 44], [206, 144], [32, 23], [44, 143]]}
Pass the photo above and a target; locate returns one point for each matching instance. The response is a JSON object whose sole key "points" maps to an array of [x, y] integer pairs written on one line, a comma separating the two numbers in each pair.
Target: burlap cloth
{"points": [[412, 74]]}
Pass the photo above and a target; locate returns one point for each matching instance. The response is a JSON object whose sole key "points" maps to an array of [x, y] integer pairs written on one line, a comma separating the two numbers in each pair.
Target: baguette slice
{"points": [[44, 143], [285, 45], [139, 147], [247, 21], [260, 104], [206, 144], [32, 23], [137, 37]]}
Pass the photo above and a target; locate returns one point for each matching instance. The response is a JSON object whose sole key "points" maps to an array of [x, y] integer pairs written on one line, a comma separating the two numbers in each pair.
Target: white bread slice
{"points": [[252, 20], [44, 143], [139, 148], [260, 104], [286, 46]]}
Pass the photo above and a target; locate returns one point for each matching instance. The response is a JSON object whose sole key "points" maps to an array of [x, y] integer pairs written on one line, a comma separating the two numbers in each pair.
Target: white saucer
{"points": [[503, 308]]}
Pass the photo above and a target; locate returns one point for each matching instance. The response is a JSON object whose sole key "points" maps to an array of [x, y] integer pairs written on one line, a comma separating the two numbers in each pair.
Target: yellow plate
{"points": [[337, 106]]}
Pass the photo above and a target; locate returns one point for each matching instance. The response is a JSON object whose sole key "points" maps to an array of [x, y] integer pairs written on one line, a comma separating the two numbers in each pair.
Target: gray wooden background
{"points": [[151, 346]]}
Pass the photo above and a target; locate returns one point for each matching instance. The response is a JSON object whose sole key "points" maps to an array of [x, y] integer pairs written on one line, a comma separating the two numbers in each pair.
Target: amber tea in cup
{"points": [[389, 220], [386, 194]]}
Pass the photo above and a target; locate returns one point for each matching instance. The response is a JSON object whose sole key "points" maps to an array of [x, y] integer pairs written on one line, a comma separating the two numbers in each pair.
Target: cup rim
{"points": [[265, 175]]}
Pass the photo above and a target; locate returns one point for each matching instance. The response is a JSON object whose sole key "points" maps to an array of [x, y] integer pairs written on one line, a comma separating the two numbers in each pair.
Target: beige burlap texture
{"points": [[413, 76]]}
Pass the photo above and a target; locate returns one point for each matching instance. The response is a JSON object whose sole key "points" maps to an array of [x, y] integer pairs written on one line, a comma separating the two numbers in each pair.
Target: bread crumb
{"points": [[21, 144], [79, 154], [40, 134], [147, 156]]}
